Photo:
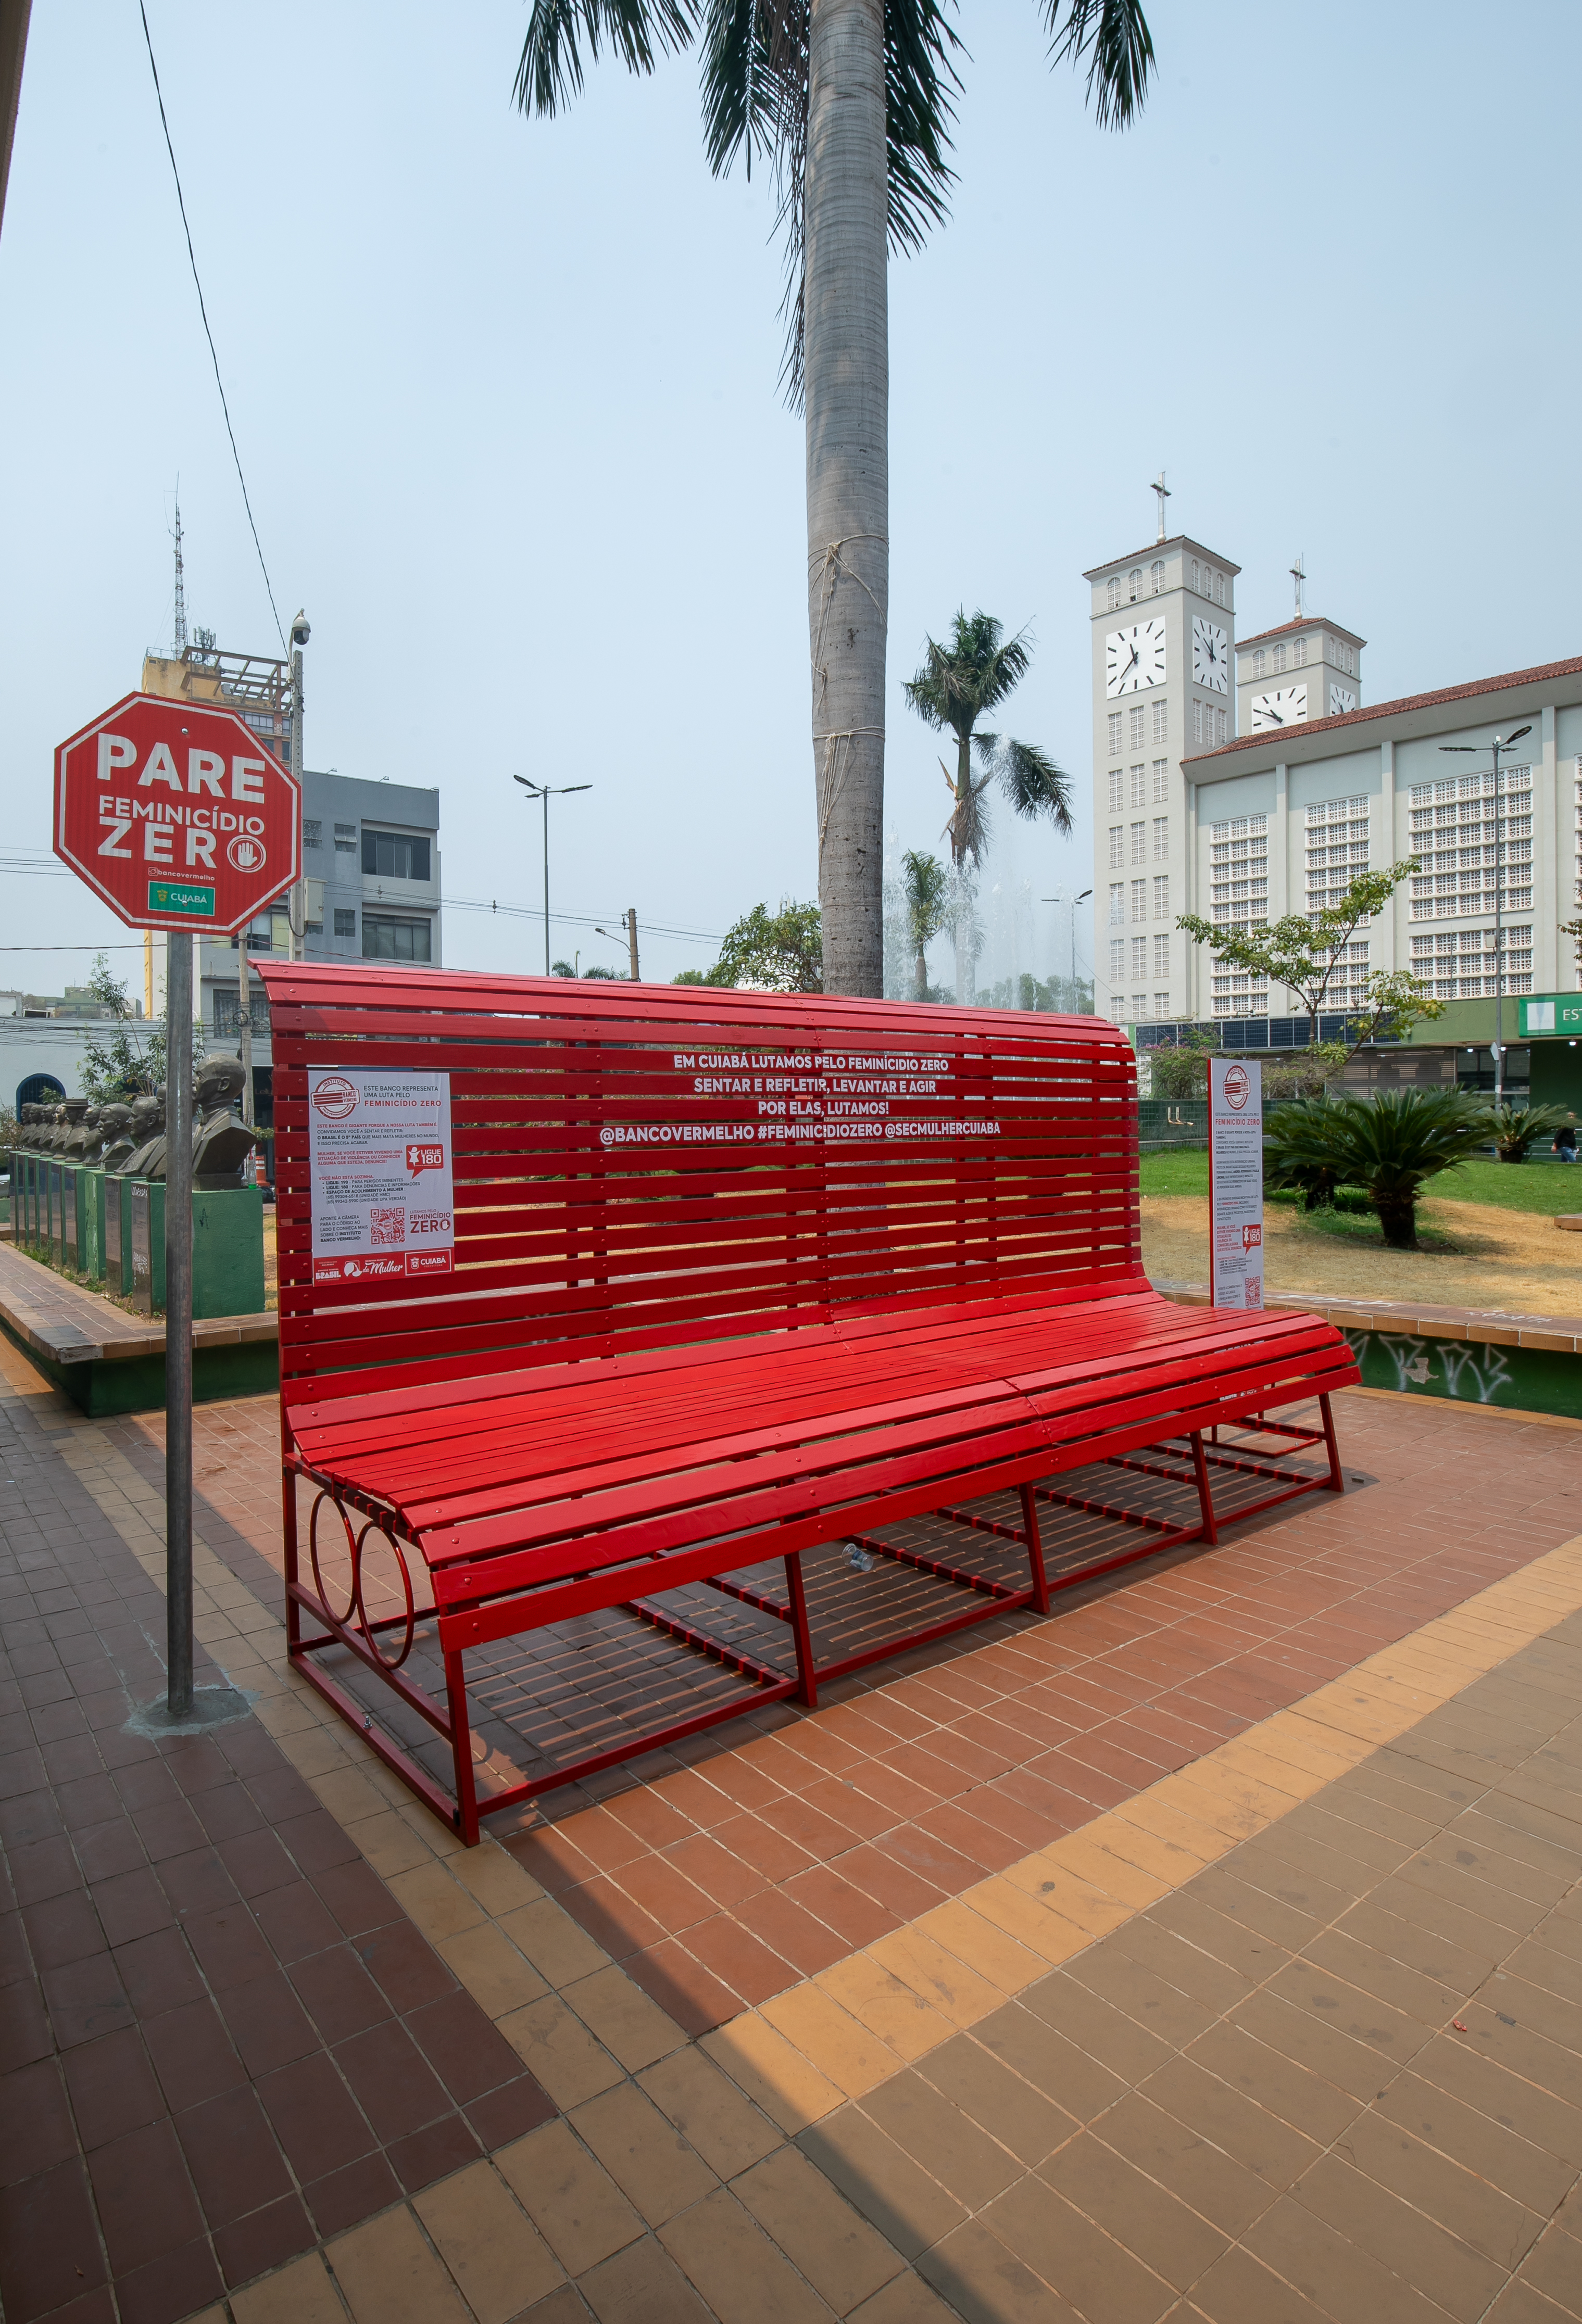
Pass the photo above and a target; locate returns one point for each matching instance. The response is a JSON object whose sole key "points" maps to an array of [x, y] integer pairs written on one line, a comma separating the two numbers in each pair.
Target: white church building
{"points": [[1243, 780]]}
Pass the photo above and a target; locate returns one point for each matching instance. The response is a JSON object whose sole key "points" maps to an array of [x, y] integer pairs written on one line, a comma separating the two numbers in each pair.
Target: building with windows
{"points": [[1164, 623], [371, 885], [370, 856], [1280, 819]]}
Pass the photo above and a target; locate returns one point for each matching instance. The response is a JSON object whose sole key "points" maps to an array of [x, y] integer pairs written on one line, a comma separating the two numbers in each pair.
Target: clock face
{"points": [[1135, 658], [1210, 654], [1286, 706], [1341, 700]]}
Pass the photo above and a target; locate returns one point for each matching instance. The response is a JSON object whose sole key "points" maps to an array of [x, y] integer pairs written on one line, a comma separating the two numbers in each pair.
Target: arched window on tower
{"points": [[1113, 591], [1134, 583], [1156, 575], [1279, 657], [1260, 663], [1299, 652], [1219, 588], [1195, 573]]}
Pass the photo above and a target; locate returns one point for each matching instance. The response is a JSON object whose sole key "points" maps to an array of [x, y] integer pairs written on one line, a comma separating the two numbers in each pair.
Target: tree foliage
{"points": [[926, 890], [769, 952], [755, 76], [1391, 1145], [960, 682], [130, 1061], [1517, 1128], [1304, 950]]}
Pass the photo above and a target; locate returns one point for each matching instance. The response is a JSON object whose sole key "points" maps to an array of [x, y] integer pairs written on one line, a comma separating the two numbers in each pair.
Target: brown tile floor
{"points": [[1338, 2076], [1196, 1650], [725, 1870], [220, 2039]]}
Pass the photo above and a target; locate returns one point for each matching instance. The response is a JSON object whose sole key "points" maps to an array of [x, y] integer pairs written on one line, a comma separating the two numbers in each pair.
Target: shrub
{"points": [[1390, 1144], [1517, 1128]]}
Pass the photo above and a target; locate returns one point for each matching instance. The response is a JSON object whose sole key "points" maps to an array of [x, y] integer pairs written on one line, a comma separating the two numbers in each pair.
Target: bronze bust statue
{"points": [[148, 1132], [114, 1127], [221, 1140], [82, 1140]]}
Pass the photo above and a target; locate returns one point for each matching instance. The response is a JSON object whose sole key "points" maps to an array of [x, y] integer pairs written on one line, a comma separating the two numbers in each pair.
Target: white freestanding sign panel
{"points": [[1236, 1182], [381, 1192]]}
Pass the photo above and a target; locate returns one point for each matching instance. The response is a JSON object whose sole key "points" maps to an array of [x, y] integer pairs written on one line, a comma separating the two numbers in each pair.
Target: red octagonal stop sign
{"points": [[178, 815]]}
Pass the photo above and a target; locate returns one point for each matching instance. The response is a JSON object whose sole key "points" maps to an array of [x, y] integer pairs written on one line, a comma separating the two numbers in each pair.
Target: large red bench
{"points": [[736, 1276]]}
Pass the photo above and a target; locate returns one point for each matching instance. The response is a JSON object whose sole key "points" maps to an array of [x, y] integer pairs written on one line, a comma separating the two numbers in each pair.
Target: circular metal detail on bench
{"points": [[409, 1628], [352, 1546]]}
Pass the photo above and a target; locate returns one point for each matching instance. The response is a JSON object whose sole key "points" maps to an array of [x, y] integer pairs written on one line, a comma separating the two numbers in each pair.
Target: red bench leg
{"points": [[288, 1527], [1041, 1580], [807, 1678], [466, 1792], [1337, 1482], [1205, 1496]]}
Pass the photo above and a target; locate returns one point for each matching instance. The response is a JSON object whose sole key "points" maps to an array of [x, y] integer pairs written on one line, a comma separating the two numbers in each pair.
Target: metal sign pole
{"points": [[179, 1324]]}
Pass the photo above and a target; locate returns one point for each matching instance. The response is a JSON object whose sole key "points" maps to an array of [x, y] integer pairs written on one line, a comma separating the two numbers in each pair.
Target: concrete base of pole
{"points": [[212, 1706]]}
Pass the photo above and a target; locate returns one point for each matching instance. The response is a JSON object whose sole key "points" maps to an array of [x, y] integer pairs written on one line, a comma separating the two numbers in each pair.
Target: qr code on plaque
{"points": [[387, 1226]]}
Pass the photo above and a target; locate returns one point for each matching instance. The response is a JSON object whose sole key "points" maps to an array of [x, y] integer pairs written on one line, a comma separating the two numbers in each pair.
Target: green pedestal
{"points": [[71, 1216], [227, 1249], [90, 1249], [147, 1238], [228, 1252]]}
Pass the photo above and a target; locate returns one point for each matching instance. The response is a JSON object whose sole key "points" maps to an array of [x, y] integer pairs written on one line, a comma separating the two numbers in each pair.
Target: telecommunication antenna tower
{"points": [[181, 588]]}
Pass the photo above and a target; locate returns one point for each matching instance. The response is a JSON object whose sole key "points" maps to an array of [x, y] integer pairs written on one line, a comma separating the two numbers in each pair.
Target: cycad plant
{"points": [[1391, 1145], [1518, 1128], [1304, 1148], [853, 104], [959, 683]]}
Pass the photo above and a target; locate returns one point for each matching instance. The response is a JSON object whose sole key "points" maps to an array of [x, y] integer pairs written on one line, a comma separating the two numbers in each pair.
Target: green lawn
{"points": [[1542, 1185]]}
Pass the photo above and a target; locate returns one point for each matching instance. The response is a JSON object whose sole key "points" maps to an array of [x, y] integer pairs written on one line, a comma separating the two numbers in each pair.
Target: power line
{"points": [[203, 311]]}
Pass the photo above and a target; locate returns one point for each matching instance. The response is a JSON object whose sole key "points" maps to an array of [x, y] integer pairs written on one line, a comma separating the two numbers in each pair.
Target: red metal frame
{"points": [[654, 1371]]}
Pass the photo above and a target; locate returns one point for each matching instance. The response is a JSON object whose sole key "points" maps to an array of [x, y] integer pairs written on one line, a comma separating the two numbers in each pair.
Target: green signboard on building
{"points": [[1539, 1013]]}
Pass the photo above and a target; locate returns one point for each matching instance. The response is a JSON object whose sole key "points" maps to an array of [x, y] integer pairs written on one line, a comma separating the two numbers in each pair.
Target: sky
{"points": [[506, 394]]}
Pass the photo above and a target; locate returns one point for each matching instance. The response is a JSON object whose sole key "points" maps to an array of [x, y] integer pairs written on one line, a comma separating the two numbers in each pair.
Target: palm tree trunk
{"points": [[847, 375]]}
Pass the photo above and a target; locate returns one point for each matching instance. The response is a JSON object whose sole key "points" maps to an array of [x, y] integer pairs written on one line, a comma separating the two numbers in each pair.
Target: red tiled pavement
{"points": [[726, 1870], [221, 2040]]}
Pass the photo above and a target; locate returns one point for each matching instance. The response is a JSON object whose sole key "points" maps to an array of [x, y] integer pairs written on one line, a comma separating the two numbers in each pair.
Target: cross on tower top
{"points": [[1162, 489], [1298, 575]]}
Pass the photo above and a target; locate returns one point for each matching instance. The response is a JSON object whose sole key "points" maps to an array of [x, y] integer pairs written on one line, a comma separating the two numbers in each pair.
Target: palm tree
{"points": [[852, 103], [926, 891], [956, 686]]}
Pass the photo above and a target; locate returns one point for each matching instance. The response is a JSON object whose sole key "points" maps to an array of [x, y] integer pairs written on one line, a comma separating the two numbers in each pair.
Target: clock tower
{"points": [[1304, 670], [1163, 637]]}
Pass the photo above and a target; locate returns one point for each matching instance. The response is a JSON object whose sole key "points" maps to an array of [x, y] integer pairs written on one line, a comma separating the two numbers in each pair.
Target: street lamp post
{"points": [[1074, 900], [546, 791], [1500, 743], [297, 901]]}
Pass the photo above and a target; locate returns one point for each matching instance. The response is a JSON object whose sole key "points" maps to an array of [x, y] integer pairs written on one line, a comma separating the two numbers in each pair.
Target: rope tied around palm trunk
{"points": [[832, 777]]}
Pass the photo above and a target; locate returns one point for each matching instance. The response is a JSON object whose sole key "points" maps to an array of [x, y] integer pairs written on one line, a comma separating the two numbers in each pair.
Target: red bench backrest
{"points": [[622, 1181]]}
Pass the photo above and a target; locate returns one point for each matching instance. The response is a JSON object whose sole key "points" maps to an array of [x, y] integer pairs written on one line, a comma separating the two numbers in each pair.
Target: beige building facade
{"points": [[1277, 820]]}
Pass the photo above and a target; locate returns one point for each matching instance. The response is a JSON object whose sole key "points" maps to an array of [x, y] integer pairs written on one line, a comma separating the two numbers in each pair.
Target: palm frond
{"points": [[968, 827], [548, 74], [1114, 37], [755, 94], [1034, 784]]}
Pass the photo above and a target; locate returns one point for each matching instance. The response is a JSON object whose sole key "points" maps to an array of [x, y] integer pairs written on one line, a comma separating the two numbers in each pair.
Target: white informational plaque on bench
{"points": [[1236, 1182], [380, 1176]]}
